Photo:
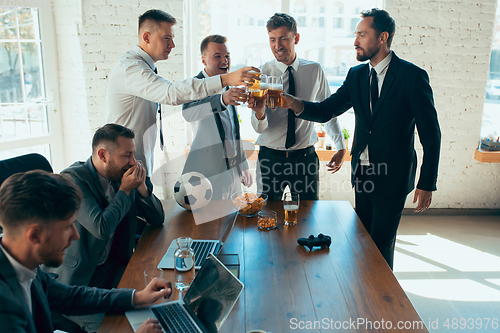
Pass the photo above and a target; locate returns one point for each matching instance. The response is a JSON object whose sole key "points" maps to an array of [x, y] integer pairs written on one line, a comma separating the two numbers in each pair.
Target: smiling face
{"points": [[158, 41], [120, 159], [282, 42], [216, 59], [54, 240]]}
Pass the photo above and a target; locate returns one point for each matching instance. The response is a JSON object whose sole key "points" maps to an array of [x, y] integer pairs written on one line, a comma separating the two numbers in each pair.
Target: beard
{"points": [[367, 54], [49, 257], [115, 173]]}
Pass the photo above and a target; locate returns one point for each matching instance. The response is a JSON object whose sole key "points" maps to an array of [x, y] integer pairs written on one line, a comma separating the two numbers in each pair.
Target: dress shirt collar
{"points": [[23, 274], [146, 56], [205, 74], [382, 66], [282, 67]]}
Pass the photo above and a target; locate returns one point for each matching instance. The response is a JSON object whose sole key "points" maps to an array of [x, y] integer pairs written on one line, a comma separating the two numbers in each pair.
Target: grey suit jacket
{"points": [[48, 296], [207, 150], [97, 220]]}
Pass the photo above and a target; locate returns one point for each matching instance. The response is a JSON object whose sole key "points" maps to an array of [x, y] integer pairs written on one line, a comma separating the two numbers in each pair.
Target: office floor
{"points": [[449, 266]]}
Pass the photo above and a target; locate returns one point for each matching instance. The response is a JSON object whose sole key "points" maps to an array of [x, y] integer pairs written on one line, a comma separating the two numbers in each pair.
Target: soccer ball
{"points": [[193, 191]]}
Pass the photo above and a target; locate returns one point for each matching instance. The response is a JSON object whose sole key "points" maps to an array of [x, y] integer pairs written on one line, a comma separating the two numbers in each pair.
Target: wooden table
{"points": [[346, 288]]}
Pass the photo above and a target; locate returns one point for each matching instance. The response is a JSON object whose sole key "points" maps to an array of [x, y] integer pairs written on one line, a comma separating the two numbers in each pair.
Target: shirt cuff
{"points": [[224, 106], [214, 84], [298, 113], [132, 300]]}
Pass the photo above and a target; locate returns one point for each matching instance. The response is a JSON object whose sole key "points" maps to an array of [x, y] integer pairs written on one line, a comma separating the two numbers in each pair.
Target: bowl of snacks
{"points": [[249, 203], [267, 220]]}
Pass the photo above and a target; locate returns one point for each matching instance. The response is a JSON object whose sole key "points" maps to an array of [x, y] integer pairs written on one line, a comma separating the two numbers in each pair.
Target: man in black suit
{"points": [[216, 151], [390, 96], [37, 212]]}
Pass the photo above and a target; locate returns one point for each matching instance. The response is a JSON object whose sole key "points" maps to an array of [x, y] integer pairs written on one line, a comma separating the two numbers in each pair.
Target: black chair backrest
{"points": [[23, 163]]}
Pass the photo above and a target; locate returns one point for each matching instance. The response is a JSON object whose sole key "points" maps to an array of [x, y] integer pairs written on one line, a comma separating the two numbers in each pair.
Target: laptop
{"points": [[205, 307], [201, 247]]}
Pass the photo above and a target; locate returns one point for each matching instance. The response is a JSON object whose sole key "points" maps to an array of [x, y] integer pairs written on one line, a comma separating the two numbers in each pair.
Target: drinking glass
{"points": [[291, 205]]}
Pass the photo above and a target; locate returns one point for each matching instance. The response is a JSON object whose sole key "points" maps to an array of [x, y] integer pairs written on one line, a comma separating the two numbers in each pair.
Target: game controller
{"points": [[311, 241]]}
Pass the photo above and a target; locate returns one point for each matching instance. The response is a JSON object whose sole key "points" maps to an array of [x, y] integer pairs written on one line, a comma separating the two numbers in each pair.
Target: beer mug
{"points": [[291, 206], [259, 93], [254, 62], [274, 90]]}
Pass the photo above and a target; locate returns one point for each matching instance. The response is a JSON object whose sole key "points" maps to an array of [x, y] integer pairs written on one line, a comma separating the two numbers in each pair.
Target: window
{"points": [[27, 117], [491, 114], [333, 48]]}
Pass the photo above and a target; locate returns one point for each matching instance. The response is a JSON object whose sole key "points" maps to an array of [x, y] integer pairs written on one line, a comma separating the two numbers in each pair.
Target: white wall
{"points": [[449, 38]]}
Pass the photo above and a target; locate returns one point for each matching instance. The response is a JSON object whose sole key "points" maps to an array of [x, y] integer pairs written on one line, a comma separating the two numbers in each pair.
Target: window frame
{"points": [[54, 138]]}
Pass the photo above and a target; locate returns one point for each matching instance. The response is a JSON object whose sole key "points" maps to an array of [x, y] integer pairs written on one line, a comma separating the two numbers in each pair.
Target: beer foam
{"points": [[275, 86], [291, 207]]}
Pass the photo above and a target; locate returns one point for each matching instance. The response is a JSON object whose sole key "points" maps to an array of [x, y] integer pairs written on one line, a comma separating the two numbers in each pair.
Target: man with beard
{"points": [[390, 96], [287, 155], [114, 194], [37, 211]]}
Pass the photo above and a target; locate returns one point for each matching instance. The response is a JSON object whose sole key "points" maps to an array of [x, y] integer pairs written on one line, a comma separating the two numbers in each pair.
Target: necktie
{"points": [[158, 107], [374, 87], [290, 133]]}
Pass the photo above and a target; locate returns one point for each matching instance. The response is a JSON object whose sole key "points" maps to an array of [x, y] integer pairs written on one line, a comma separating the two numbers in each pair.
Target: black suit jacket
{"points": [[405, 101], [48, 296]]}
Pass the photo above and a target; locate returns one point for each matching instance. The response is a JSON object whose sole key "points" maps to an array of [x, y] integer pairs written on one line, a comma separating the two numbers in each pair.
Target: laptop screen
{"points": [[213, 294]]}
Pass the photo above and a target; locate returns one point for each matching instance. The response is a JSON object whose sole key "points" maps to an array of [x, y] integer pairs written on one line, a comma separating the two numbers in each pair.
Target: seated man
{"points": [[37, 210], [114, 194]]}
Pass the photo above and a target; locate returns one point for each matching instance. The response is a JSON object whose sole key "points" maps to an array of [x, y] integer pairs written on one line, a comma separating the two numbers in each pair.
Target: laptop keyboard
{"points": [[201, 251], [173, 318]]}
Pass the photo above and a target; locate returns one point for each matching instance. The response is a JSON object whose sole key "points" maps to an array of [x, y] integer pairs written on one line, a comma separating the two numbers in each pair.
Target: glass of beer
{"points": [[274, 90], [259, 94], [254, 62], [291, 206]]}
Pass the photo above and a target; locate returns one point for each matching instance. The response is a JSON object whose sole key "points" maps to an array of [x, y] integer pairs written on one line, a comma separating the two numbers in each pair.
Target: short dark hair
{"points": [[37, 196], [382, 22], [156, 16], [108, 135], [282, 20], [219, 39]]}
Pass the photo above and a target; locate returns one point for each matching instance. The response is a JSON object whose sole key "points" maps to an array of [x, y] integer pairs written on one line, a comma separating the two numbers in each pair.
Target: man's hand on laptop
{"points": [[156, 289], [150, 325]]}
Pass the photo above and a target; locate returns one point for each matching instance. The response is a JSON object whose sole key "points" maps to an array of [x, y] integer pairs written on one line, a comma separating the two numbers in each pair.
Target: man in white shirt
{"points": [[287, 155], [216, 151], [37, 210], [135, 90]]}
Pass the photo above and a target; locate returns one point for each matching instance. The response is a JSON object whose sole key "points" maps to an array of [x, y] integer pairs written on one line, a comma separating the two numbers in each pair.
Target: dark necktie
{"points": [[374, 87], [158, 107], [290, 133]]}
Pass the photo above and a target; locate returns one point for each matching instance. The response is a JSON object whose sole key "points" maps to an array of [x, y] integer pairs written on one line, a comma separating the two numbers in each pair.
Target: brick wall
{"points": [[449, 38]]}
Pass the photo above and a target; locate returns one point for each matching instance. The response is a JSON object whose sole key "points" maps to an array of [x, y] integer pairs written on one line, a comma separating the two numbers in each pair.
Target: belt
{"points": [[288, 153]]}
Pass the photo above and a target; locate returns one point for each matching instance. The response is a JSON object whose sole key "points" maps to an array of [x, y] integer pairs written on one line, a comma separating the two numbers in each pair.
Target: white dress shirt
{"points": [[310, 85], [133, 91], [381, 69], [25, 276]]}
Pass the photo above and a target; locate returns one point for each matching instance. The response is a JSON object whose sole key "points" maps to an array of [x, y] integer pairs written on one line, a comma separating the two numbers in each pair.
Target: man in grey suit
{"points": [[114, 194], [37, 210], [216, 151]]}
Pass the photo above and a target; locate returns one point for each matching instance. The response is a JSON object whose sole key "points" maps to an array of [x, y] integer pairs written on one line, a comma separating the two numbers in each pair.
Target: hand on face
{"points": [[133, 177]]}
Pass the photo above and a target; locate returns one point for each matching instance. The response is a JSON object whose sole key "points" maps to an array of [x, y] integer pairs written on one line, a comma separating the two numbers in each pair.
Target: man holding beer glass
{"points": [[287, 155], [216, 151]]}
